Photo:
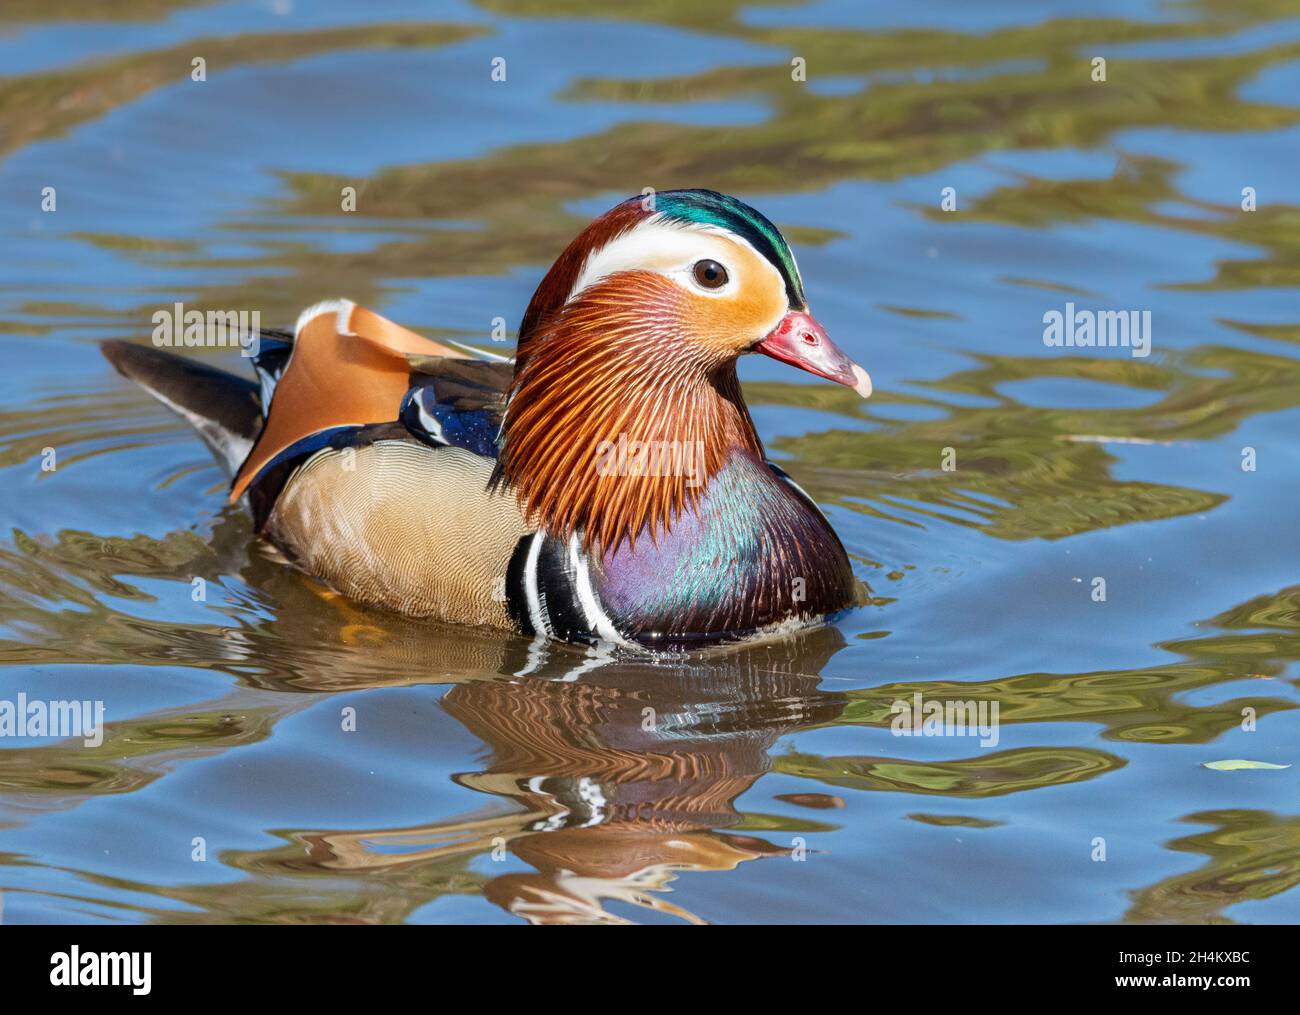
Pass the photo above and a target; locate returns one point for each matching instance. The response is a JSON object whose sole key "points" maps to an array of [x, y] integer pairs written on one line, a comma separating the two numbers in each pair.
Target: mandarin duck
{"points": [[607, 486]]}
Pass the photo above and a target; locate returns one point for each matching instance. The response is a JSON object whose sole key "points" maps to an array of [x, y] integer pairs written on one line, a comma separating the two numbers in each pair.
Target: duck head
{"points": [[633, 337]]}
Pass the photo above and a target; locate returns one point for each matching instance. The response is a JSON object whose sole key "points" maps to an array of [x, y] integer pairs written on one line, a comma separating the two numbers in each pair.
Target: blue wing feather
{"points": [[457, 403]]}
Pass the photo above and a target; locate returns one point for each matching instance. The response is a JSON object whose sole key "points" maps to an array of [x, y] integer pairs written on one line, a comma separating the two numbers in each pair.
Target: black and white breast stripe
{"points": [[549, 592]]}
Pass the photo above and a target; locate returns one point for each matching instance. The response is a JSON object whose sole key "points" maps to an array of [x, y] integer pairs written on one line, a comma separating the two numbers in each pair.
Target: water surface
{"points": [[488, 780]]}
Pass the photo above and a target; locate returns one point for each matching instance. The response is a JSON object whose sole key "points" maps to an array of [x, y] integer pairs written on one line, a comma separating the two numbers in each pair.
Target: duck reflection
{"points": [[619, 773]]}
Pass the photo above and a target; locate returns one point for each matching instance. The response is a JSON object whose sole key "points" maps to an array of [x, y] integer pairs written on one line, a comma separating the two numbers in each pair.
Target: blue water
{"points": [[773, 788]]}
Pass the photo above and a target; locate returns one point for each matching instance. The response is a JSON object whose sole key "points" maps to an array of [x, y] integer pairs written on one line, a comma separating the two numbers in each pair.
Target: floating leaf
{"points": [[1235, 764]]}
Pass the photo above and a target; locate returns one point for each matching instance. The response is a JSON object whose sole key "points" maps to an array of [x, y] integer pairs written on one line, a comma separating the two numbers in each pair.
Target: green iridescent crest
{"points": [[707, 207]]}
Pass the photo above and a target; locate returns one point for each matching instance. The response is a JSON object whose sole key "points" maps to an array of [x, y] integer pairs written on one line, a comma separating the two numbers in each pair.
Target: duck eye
{"points": [[710, 274]]}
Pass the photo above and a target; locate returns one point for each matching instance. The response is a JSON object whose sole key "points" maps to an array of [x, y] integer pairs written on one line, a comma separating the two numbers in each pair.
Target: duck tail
{"points": [[226, 410]]}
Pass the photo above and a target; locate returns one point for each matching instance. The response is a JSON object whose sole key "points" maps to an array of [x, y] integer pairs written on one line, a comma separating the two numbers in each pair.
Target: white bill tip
{"points": [[863, 387]]}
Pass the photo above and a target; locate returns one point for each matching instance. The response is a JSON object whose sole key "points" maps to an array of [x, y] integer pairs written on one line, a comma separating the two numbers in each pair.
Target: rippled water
{"points": [[471, 793]]}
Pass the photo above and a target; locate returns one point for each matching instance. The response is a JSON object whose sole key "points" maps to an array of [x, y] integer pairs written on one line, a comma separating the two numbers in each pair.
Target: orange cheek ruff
{"points": [[729, 322], [634, 358]]}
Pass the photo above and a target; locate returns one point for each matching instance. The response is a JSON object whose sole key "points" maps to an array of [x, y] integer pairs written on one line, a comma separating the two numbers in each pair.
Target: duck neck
{"points": [[615, 426]]}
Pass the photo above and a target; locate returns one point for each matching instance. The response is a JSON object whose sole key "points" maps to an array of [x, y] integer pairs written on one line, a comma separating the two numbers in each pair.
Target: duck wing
{"points": [[457, 403], [347, 367]]}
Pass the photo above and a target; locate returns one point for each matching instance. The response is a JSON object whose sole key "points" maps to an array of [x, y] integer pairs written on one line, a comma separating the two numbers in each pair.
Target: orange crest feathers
{"points": [[615, 422]]}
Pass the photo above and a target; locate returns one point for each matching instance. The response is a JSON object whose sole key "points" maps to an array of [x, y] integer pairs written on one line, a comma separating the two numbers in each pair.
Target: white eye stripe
{"points": [[672, 249]]}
